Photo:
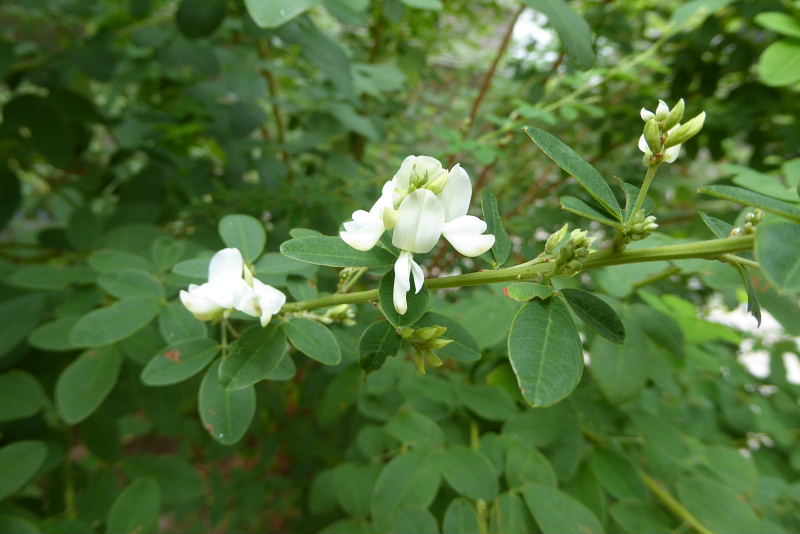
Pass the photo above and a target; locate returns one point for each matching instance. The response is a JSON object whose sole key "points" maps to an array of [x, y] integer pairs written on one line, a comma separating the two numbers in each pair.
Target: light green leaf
{"points": [[176, 323], [753, 303], [751, 198], [417, 302], [620, 370], [586, 175], [460, 518], [86, 382], [558, 513], [410, 479], [136, 509], [424, 4], [469, 472], [379, 341], [273, 13], [780, 63], [579, 207], [179, 361], [131, 283], [114, 323], [245, 233], [778, 252], [226, 415], [256, 355], [572, 29], [21, 395], [596, 313], [525, 291], [415, 429], [333, 252], [19, 461], [494, 223], [545, 352], [314, 340], [782, 23], [463, 348], [719, 227]]}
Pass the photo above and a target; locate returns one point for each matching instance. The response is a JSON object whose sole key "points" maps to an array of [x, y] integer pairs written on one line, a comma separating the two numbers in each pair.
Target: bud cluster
{"points": [[425, 341], [664, 133], [572, 255], [640, 227], [751, 220]]}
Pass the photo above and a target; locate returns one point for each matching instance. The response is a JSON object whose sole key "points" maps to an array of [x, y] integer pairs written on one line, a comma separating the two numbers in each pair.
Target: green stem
{"points": [[673, 505], [648, 179], [711, 249]]}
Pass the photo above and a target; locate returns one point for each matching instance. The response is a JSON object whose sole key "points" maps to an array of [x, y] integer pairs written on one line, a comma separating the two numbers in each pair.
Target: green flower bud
{"points": [[686, 131], [555, 239], [440, 343], [429, 332], [675, 115], [652, 135]]}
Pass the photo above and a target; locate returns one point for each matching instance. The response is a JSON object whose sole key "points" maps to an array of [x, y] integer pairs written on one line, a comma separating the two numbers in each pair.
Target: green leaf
{"points": [[131, 283], [274, 13], [525, 291], [301, 288], [620, 370], [136, 509], [494, 223], [469, 472], [780, 63], [579, 207], [49, 277], [464, 348], [753, 304], [719, 227], [379, 341], [200, 18], [256, 355], [314, 340], [113, 323], [415, 429], [716, 506], [489, 402], [409, 479], [631, 194], [333, 252], [617, 474], [460, 518], [751, 198], [178, 479], [225, 414], [354, 483], [572, 29], [417, 302], [271, 263], [413, 519], [424, 4], [21, 395], [103, 261], [782, 23], [778, 252], [640, 516], [545, 352], [179, 361], [245, 233], [596, 313], [166, 252], [509, 515], [86, 382], [586, 175], [54, 335], [18, 316], [19, 462], [558, 513], [176, 323], [525, 465]]}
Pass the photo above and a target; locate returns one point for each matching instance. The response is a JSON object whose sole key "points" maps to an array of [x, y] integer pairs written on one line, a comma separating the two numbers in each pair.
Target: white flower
{"points": [[670, 154], [430, 202], [231, 287], [660, 114]]}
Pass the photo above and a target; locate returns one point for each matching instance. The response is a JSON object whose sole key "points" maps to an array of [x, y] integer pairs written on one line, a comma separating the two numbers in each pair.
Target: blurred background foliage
{"points": [[127, 121]]}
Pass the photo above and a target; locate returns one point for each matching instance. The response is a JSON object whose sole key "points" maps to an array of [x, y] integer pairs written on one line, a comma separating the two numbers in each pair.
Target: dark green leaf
{"points": [[751, 198], [256, 355], [21, 395], [716, 506], [200, 18], [274, 13], [572, 29], [85, 383], [617, 474], [333, 252], [469, 472], [114, 323], [176, 323], [136, 509], [379, 341], [245, 233], [489, 402], [19, 461], [410, 479], [54, 335], [354, 483], [166, 252], [620, 370], [461, 518], [494, 222], [18, 316], [314, 340], [178, 479], [464, 348], [596, 313], [225, 414], [417, 302], [179, 361], [104, 261], [558, 513], [415, 429], [579, 207], [525, 465], [131, 283], [509, 515], [753, 304]]}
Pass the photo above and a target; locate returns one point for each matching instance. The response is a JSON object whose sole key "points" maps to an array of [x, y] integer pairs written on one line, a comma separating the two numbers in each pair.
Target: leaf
{"points": [[379, 341], [558, 513], [19, 462], [716, 506], [778, 252], [225, 414], [417, 302], [200, 18], [256, 355], [460, 518], [21, 395], [415, 429], [175, 323], [413, 519], [586, 175], [424, 4], [409, 479], [782, 23], [18, 316], [49, 277], [719, 227], [494, 223], [166, 252], [617, 474], [753, 304], [469, 472], [245, 233], [489, 402], [525, 465], [131, 283], [179, 361], [136, 509], [178, 479], [333, 252], [572, 29], [274, 13], [464, 348], [525, 291], [54, 335], [631, 194], [751, 198], [103, 261], [108, 325], [620, 370], [780, 63], [354, 483], [579, 207], [271, 263], [86, 382], [194, 268], [545, 352], [509, 515], [10, 190], [596, 313], [314, 340]]}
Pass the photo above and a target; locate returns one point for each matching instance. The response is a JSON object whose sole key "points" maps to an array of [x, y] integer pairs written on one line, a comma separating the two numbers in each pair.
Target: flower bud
{"points": [[675, 115], [440, 343], [555, 239], [662, 111], [687, 131], [652, 135], [429, 332]]}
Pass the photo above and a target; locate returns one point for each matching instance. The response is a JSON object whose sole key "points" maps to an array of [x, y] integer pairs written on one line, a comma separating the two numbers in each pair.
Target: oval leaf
{"points": [[21, 395], [777, 246], [127, 283], [596, 313], [85, 383], [136, 509], [245, 233], [275, 13], [333, 252], [417, 302], [176, 323], [226, 415], [179, 361], [379, 341], [469, 472], [113, 323], [780, 63], [314, 340], [255, 356], [19, 461], [463, 348], [557, 513], [410, 479], [461, 517]]}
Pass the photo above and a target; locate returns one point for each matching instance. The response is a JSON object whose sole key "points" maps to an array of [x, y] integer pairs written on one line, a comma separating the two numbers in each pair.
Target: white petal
{"points": [[644, 147], [403, 175], [646, 115], [199, 304], [363, 231], [418, 275], [671, 154], [662, 108], [419, 222], [227, 293], [227, 264], [270, 300], [427, 164], [457, 194], [465, 234], [402, 269], [248, 303]]}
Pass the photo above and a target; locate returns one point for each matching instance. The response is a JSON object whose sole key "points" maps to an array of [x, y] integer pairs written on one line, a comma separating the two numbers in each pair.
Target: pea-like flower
{"points": [[664, 133], [422, 202], [231, 287]]}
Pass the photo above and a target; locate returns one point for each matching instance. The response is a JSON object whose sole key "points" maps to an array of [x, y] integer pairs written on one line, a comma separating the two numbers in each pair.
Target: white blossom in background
{"points": [[231, 287], [421, 203]]}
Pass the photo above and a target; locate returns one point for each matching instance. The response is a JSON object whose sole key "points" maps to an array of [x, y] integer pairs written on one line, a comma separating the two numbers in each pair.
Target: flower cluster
{"points": [[664, 133], [421, 203], [231, 286]]}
